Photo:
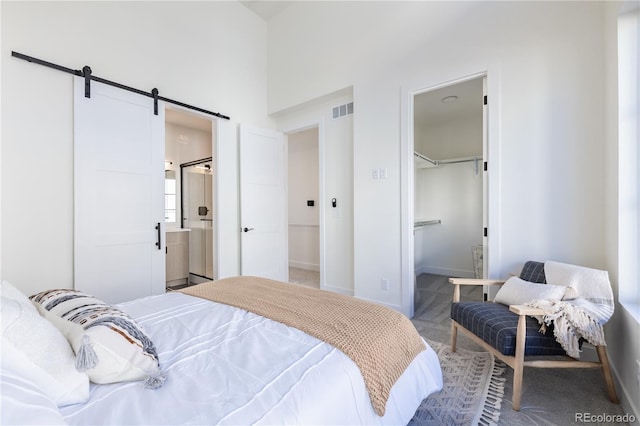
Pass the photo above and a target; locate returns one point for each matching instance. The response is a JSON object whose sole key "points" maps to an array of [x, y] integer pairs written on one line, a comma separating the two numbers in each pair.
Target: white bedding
{"points": [[228, 366]]}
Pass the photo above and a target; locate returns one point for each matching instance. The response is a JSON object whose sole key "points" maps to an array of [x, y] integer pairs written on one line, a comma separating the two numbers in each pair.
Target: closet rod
{"points": [[86, 73], [459, 160]]}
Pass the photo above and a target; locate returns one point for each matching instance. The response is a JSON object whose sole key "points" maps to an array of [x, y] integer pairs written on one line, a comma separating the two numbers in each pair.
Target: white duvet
{"points": [[228, 366]]}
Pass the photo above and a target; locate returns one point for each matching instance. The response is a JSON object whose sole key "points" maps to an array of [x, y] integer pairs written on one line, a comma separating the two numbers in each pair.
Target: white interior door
{"points": [[119, 247], [263, 212]]}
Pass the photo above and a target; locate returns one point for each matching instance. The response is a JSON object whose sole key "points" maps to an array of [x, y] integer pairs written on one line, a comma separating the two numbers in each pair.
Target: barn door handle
{"points": [[158, 242]]}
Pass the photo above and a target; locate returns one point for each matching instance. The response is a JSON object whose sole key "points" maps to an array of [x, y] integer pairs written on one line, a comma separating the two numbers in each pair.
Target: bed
{"points": [[226, 365]]}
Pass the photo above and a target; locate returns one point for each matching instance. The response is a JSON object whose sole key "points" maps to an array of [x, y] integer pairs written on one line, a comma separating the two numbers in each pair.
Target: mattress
{"points": [[225, 365]]}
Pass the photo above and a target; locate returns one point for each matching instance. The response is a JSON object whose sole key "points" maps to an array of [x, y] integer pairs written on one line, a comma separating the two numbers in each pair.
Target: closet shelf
{"points": [[421, 223], [422, 161]]}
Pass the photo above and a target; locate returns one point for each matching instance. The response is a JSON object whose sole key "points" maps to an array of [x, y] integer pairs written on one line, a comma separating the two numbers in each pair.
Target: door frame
{"points": [[319, 124], [491, 200]]}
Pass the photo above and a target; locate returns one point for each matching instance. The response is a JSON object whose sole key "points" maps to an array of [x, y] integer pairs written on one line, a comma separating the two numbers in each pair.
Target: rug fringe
{"points": [[493, 400]]}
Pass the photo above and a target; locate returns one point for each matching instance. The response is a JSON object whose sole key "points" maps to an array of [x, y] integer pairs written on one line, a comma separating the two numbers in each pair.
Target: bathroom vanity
{"points": [[177, 256]]}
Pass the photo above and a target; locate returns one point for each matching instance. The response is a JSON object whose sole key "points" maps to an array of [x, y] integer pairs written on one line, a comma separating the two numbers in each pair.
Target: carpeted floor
{"points": [[304, 277], [549, 396]]}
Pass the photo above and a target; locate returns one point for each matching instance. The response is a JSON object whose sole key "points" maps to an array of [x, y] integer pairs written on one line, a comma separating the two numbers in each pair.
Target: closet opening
{"points": [[304, 207], [449, 134]]}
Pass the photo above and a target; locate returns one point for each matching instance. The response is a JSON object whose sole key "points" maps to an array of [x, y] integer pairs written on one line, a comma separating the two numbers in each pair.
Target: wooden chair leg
{"points": [[454, 336], [606, 372], [518, 368]]}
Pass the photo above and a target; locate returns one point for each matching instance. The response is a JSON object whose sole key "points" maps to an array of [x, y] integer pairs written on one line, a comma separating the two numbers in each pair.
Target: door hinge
{"points": [[486, 167], [486, 232], [485, 100]]}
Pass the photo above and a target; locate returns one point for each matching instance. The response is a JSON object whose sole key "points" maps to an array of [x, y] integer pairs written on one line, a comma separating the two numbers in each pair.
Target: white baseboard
{"points": [[303, 265], [628, 404]]}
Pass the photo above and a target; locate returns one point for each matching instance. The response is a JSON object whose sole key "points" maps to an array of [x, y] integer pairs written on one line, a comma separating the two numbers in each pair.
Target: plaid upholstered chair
{"points": [[512, 334]]}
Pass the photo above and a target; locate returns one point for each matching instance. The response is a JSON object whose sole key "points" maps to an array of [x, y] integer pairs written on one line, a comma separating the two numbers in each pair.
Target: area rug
{"points": [[472, 390]]}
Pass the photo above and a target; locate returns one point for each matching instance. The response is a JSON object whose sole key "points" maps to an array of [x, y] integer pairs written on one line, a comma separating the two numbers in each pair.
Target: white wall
{"points": [[208, 54], [303, 178], [459, 136], [336, 181], [544, 62], [451, 193]]}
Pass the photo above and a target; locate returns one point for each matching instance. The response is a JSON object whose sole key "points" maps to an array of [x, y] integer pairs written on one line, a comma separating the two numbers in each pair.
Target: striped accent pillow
{"points": [[109, 345]]}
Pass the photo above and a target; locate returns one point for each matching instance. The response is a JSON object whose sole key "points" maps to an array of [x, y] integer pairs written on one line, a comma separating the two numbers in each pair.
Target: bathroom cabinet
{"points": [[177, 257]]}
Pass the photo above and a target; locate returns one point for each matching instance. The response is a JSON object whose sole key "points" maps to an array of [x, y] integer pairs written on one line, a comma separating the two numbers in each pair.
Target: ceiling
{"points": [[186, 119], [266, 9], [444, 117], [429, 108]]}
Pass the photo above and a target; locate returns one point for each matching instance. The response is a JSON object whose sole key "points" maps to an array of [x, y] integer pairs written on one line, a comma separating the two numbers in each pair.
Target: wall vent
{"points": [[342, 110]]}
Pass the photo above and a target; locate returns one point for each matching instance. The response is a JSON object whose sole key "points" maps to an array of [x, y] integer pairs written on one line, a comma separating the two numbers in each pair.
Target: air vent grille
{"points": [[342, 110]]}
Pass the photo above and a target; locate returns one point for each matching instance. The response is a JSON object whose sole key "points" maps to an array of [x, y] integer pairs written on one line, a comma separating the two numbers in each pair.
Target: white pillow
{"points": [[110, 346], [23, 399], [517, 291], [44, 353], [10, 292]]}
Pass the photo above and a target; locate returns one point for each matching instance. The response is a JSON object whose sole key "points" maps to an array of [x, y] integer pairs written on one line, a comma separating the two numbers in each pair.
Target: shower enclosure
{"points": [[196, 179]]}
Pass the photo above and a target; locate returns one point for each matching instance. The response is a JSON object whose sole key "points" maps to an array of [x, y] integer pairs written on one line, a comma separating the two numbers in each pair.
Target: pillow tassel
{"points": [[86, 358], [155, 380]]}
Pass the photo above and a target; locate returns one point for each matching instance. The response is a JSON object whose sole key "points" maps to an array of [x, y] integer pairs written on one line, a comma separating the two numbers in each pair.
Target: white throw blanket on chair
{"points": [[585, 308]]}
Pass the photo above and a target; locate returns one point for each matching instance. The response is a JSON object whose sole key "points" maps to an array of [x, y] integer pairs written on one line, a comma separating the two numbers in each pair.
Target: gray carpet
{"points": [[549, 396]]}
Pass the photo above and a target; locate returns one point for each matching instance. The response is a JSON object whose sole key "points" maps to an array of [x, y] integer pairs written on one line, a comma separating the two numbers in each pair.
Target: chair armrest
{"points": [[525, 310], [457, 282]]}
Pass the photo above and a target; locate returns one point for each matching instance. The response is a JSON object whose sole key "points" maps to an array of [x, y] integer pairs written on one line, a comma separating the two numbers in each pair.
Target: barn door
{"points": [[119, 247]]}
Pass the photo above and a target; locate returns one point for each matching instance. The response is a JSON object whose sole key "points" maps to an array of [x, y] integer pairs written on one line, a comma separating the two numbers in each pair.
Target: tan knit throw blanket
{"points": [[381, 341]]}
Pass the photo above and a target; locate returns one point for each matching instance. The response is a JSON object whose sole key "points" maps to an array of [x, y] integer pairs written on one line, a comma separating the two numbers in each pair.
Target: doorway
{"points": [[448, 180], [189, 144], [304, 207], [490, 211]]}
